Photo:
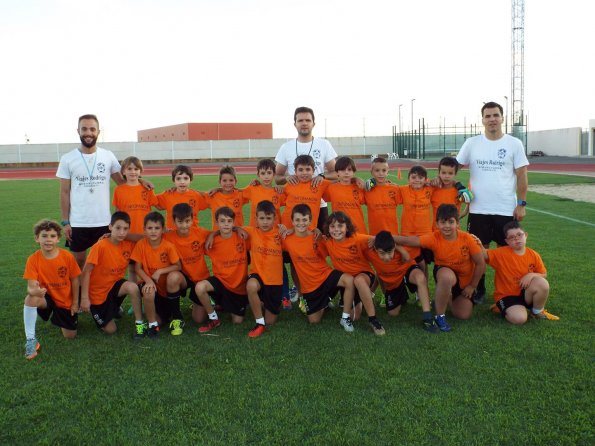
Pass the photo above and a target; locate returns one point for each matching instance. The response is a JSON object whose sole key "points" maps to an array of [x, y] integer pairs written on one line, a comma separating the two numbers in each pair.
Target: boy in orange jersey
{"points": [[308, 191], [189, 241], [265, 280], [346, 249], [345, 195], [520, 280], [52, 276], [264, 190], [182, 177], [318, 282], [399, 273], [450, 191], [459, 264], [227, 285], [227, 196], [158, 269], [382, 199], [103, 287]]}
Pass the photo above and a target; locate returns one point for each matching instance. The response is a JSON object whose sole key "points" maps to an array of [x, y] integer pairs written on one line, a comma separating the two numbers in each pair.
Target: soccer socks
{"points": [[173, 299], [536, 310], [260, 321], [346, 315], [213, 316], [427, 315], [29, 318]]}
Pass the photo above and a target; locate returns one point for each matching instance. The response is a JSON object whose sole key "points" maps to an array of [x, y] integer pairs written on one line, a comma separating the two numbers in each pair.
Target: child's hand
{"points": [[371, 241], [468, 292], [85, 304], [209, 240], [358, 182], [149, 287], [106, 235], [74, 308], [254, 182], [317, 234], [36, 291], [241, 232], [526, 280], [147, 184], [316, 180], [214, 191], [279, 189]]}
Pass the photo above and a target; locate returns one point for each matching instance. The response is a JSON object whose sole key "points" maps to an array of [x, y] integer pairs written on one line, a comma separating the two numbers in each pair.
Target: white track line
{"points": [[562, 217]]}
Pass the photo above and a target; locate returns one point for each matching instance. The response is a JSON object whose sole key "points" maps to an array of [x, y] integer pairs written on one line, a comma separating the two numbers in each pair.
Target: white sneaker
{"points": [[347, 324]]}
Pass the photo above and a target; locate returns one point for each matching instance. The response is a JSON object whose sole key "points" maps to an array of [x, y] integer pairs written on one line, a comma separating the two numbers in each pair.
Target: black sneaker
{"points": [[430, 325], [377, 327], [479, 298], [153, 332]]}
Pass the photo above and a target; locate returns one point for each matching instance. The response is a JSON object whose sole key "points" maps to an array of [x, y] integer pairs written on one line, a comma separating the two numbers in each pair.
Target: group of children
{"points": [[164, 258]]}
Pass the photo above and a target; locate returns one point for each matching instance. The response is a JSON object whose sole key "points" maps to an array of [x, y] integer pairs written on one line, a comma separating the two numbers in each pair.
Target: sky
{"points": [[140, 64]]}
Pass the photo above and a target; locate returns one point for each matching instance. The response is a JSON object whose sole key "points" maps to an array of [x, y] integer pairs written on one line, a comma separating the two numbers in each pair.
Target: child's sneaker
{"points": [[286, 303], [293, 294], [430, 325], [442, 324], [545, 315], [377, 327], [347, 324], [176, 327], [302, 306], [140, 330], [153, 332], [211, 325], [383, 301], [31, 348], [258, 330]]}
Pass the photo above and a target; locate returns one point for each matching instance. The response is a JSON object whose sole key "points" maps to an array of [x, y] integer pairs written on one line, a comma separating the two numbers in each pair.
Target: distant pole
{"points": [[412, 114], [506, 115], [400, 105]]}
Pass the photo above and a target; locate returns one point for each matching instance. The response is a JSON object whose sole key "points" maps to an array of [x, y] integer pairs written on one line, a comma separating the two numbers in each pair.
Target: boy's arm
{"points": [[140, 272], [75, 283], [133, 237], [528, 278], [33, 289], [168, 269], [85, 281], [404, 254], [412, 240], [480, 268]]}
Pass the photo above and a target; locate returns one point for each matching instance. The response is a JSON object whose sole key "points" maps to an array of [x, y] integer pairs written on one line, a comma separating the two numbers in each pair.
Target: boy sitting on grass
{"points": [[520, 280], [52, 276]]}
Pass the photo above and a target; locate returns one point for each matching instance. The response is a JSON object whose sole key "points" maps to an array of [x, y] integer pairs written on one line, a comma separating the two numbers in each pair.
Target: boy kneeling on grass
{"points": [[520, 280]]}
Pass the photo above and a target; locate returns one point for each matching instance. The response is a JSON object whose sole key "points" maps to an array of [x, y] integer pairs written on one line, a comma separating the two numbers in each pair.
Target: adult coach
{"points": [[305, 144], [85, 174], [498, 176]]}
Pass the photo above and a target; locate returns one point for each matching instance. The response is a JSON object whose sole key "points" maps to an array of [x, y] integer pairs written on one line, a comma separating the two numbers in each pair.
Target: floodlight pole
{"points": [[400, 105], [506, 115], [412, 114]]}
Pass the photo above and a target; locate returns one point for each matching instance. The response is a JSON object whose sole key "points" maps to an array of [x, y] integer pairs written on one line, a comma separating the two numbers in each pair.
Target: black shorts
{"points": [[84, 238], [488, 227], [60, 317], [356, 298], [192, 287], [510, 301], [231, 302], [163, 309], [286, 257], [398, 296], [319, 298], [322, 216], [456, 290], [270, 295], [103, 313]]}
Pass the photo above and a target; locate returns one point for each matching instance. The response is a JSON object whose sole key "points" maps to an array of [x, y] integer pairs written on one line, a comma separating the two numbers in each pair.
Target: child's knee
{"points": [[516, 318], [69, 334], [540, 284]]}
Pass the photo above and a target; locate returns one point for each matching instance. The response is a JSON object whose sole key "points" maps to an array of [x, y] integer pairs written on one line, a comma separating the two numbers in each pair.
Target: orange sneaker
{"points": [[545, 315], [211, 325], [258, 330]]}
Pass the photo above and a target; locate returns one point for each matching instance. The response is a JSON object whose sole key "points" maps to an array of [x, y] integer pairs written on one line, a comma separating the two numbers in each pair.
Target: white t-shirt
{"points": [[491, 168], [89, 176]]}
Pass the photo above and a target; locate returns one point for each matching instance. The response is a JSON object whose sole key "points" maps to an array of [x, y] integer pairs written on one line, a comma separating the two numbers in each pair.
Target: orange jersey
{"points": [[348, 198], [168, 199], [347, 255], [308, 261], [110, 263], [153, 259], [391, 273], [382, 203], [416, 217], [55, 275], [454, 254], [266, 255], [235, 201], [256, 194], [440, 196], [230, 264], [191, 250], [136, 201], [511, 268], [303, 193]]}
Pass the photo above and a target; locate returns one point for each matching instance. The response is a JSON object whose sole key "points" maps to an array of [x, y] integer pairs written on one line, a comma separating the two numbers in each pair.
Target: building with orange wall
{"points": [[207, 131]]}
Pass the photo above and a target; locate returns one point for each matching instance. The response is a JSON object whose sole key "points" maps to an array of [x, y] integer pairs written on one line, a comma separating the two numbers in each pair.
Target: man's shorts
{"points": [[356, 298], [488, 227], [60, 317], [319, 298], [231, 302], [106, 311], [270, 295], [510, 301], [456, 290], [398, 296], [84, 238]]}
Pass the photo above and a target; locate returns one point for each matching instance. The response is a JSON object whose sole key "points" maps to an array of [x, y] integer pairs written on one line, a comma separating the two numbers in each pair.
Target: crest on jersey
{"points": [[240, 247], [195, 245], [126, 254], [192, 202], [163, 257], [62, 272], [277, 239], [465, 251], [391, 194], [144, 194], [316, 153], [355, 194], [501, 153], [101, 167], [236, 203], [352, 249]]}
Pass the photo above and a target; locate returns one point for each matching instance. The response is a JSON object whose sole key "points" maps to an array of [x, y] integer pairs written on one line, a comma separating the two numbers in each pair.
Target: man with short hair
{"points": [[498, 177]]}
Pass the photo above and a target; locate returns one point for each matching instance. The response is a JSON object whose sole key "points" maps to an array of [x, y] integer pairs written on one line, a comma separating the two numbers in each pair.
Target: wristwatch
{"points": [[521, 203], [65, 222]]}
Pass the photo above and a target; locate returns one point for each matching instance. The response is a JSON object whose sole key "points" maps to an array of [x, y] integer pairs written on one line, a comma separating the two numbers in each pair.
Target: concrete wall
{"points": [[558, 142]]}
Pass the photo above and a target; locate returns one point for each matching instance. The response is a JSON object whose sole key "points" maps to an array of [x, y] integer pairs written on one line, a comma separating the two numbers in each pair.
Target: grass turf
{"points": [[487, 382]]}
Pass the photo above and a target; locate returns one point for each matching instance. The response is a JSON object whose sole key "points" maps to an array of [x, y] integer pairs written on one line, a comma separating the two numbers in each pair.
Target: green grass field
{"points": [[485, 383]]}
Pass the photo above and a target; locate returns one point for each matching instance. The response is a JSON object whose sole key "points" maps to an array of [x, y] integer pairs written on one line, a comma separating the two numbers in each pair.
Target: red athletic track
{"points": [[249, 167]]}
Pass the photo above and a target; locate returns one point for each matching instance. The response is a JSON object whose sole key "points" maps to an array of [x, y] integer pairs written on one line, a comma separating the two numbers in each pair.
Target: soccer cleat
{"points": [[383, 301], [302, 306], [293, 294], [442, 324], [545, 315], [377, 327], [176, 327], [430, 326], [31, 348], [347, 324], [479, 298], [140, 330], [153, 332], [258, 330], [286, 303], [211, 325]]}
